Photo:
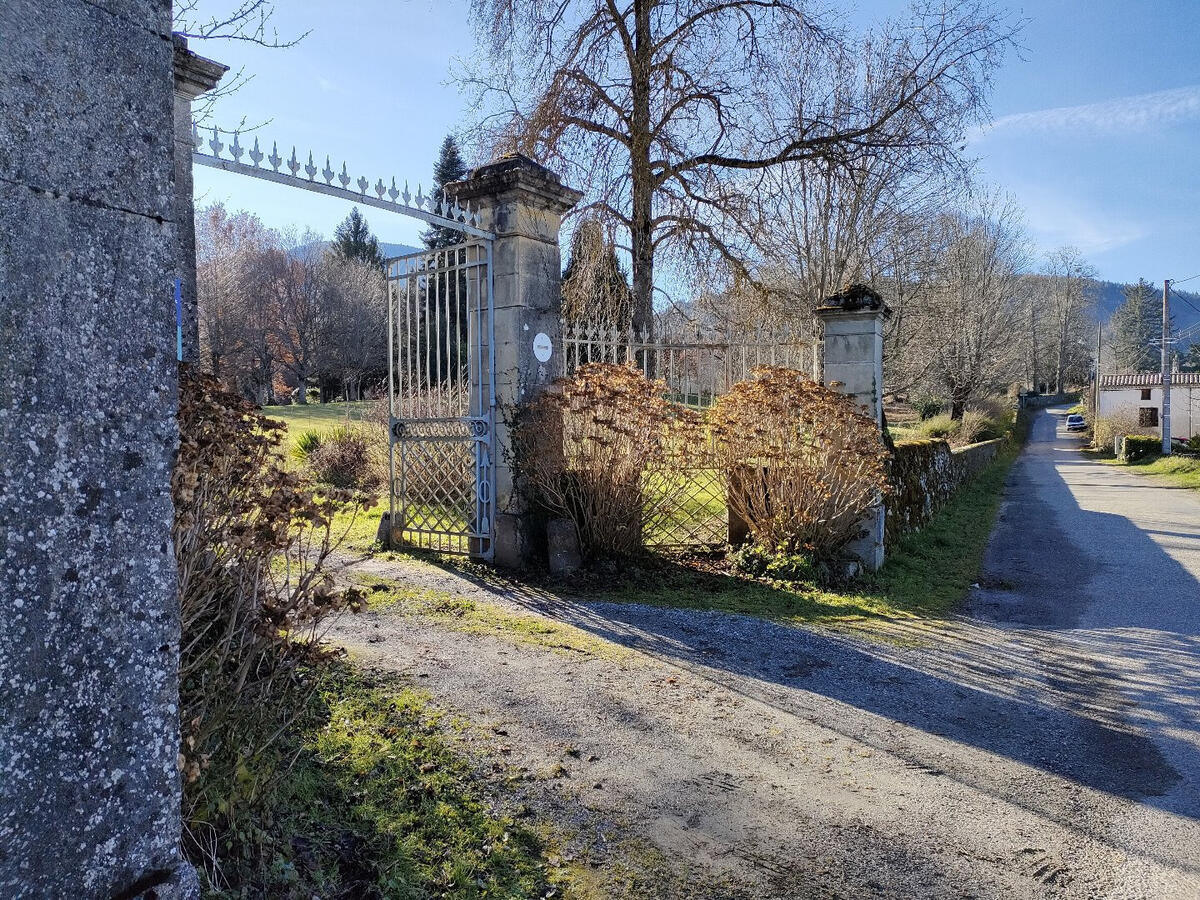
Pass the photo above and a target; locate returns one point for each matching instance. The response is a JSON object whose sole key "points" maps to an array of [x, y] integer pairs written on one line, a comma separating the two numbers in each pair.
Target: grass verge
{"points": [[379, 799], [469, 616], [926, 575], [1178, 470]]}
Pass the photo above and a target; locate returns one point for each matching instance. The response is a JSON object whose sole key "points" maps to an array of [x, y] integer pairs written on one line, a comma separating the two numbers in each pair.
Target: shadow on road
{"points": [[1069, 663]]}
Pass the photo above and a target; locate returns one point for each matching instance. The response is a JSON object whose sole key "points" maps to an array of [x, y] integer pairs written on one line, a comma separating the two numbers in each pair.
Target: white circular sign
{"points": [[542, 348]]}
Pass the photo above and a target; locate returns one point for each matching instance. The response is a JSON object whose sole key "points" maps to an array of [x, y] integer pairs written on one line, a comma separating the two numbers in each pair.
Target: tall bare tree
{"points": [[966, 325], [668, 111], [1068, 291]]}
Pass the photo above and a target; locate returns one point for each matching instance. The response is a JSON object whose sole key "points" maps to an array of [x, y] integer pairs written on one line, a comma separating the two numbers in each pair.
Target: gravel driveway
{"points": [[1043, 744]]}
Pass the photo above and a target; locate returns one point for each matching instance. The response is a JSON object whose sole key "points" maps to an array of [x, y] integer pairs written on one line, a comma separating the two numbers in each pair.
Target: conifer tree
{"points": [[353, 240], [1136, 323], [450, 167], [595, 287]]}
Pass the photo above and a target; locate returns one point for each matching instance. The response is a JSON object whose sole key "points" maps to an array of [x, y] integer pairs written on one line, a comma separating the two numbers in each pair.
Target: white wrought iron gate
{"points": [[442, 396], [441, 375]]}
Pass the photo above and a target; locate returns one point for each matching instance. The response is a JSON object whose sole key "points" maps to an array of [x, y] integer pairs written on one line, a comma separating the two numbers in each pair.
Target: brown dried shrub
{"points": [[803, 462], [584, 446], [343, 459], [251, 542]]}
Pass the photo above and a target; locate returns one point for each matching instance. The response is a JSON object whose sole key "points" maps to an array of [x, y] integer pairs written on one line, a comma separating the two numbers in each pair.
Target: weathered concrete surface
{"points": [[1042, 745], [89, 792]]}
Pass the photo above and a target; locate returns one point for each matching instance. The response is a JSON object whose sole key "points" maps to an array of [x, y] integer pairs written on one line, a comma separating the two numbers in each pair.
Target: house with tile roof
{"points": [[1140, 395]]}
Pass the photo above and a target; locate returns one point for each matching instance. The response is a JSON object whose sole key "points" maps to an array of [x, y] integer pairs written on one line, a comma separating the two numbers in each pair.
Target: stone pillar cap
{"points": [[516, 172], [855, 298], [194, 74]]}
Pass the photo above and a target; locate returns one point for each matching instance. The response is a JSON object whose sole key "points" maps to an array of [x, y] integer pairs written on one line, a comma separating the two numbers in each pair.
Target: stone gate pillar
{"points": [[89, 610], [522, 203], [853, 354], [194, 75], [853, 364]]}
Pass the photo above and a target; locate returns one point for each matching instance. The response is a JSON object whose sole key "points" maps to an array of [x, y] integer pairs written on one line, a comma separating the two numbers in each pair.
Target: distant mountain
{"points": [[1185, 305], [387, 249]]}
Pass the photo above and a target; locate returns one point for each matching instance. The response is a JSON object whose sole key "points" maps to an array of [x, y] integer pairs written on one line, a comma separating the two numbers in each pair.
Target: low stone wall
{"points": [[925, 474]]}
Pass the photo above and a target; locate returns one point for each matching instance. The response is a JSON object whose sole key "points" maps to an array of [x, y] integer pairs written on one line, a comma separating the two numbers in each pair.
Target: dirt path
{"points": [[1027, 749]]}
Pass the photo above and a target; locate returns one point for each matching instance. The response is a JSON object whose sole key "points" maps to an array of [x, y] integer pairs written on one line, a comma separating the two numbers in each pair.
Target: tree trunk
{"points": [[642, 178]]}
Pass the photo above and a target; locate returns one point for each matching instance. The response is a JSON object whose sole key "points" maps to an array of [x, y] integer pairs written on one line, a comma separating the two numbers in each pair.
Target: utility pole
{"points": [[1166, 369], [1096, 377]]}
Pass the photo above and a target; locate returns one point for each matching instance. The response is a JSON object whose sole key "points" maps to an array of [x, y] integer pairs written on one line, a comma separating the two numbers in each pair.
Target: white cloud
{"points": [[1122, 115], [1056, 222]]}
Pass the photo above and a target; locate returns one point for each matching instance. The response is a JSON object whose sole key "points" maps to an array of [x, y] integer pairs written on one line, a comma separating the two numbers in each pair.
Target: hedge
{"points": [[1140, 446]]}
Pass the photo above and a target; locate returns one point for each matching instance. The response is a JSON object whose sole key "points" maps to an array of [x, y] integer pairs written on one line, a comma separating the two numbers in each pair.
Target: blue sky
{"points": [[1096, 126]]}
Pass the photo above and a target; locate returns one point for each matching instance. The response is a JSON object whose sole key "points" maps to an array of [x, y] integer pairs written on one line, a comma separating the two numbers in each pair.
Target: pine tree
{"points": [[595, 287], [1136, 323], [449, 168], [353, 240]]}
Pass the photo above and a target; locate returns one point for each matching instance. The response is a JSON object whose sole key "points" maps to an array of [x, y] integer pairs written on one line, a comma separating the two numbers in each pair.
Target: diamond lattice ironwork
{"points": [[685, 508], [435, 486]]}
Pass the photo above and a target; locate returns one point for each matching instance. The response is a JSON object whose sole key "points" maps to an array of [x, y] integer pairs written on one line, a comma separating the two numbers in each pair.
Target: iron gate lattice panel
{"points": [[442, 399]]}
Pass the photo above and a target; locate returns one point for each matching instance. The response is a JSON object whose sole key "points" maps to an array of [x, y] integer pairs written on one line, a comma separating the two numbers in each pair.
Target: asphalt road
{"points": [[1097, 569], [1042, 744]]}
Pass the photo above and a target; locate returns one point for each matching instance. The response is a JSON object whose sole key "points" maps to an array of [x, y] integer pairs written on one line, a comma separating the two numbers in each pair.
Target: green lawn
{"points": [[926, 575], [319, 417]]}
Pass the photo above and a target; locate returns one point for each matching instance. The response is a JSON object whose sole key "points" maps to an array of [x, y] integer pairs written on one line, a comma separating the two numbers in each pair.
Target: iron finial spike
{"points": [[327, 172], [380, 188], [196, 139], [215, 144], [344, 177], [392, 192], [235, 149], [275, 159], [310, 168], [293, 163], [256, 154], [406, 196], [363, 184]]}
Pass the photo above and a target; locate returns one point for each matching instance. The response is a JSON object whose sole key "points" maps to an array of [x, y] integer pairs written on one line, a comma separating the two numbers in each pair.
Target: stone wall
{"points": [[89, 792], [926, 474]]}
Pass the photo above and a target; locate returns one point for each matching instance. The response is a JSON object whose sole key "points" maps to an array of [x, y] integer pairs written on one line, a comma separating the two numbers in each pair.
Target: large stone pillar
{"points": [[522, 203], [194, 75], [853, 364], [853, 352], [89, 613]]}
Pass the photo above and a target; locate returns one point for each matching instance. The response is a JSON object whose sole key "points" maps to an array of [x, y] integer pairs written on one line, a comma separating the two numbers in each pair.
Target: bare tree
{"points": [[966, 325], [297, 287], [1068, 298], [353, 322], [236, 319], [668, 112]]}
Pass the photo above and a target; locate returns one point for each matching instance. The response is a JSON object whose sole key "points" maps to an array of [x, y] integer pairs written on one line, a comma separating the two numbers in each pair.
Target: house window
{"points": [[1148, 417], [1145, 393]]}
